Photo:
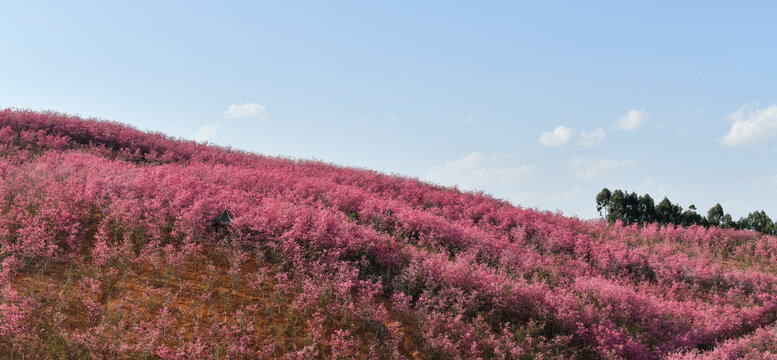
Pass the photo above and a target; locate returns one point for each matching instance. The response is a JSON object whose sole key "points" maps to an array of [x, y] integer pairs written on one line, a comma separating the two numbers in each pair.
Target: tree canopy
{"points": [[631, 208]]}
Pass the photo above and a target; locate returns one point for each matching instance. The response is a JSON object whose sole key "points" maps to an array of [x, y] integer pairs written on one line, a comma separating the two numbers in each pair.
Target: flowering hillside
{"points": [[108, 251]]}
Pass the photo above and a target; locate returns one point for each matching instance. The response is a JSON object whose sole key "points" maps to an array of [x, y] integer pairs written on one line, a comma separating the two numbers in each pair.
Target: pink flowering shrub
{"points": [[107, 250]]}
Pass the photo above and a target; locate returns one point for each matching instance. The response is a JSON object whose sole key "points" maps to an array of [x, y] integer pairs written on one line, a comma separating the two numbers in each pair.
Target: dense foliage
{"points": [[107, 250], [630, 208]]}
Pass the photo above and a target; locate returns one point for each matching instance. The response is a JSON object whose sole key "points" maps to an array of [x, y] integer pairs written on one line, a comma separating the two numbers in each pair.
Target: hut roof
{"points": [[225, 218]]}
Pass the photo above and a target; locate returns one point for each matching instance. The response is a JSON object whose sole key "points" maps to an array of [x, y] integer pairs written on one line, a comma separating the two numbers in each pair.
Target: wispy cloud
{"points": [[632, 120], [475, 171], [206, 133], [562, 136], [751, 126], [590, 169], [591, 139], [247, 110]]}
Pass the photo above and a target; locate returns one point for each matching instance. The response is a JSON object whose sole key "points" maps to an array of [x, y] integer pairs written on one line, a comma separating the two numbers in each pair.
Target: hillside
{"points": [[108, 251]]}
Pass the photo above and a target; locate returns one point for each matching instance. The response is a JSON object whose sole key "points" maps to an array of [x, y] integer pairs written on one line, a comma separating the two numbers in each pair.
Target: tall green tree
{"points": [[617, 209], [647, 210], [603, 202], [691, 217], [758, 221], [668, 213], [715, 215], [728, 222], [631, 208]]}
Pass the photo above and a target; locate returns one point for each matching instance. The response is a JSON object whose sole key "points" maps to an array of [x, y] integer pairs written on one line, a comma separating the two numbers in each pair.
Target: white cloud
{"points": [[560, 136], [247, 110], [751, 126], [466, 163], [590, 169], [632, 120], [591, 139], [206, 133], [563, 135], [468, 120], [476, 171]]}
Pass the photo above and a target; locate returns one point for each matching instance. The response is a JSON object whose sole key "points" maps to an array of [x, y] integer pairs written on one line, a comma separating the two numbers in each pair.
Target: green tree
{"points": [[668, 213], [617, 209], [647, 210], [631, 211], [758, 221], [603, 202], [728, 222], [715, 215], [691, 217]]}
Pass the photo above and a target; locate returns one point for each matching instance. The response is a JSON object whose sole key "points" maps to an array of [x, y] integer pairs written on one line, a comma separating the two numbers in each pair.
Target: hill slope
{"points": [[107, 250]]}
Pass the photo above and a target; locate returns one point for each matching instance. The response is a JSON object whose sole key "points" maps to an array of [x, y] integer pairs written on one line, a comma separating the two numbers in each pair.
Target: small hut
{"points": [[224, 219]]}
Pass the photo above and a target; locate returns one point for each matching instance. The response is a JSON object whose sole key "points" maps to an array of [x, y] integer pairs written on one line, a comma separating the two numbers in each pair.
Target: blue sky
{"points": [[540, 103]]}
